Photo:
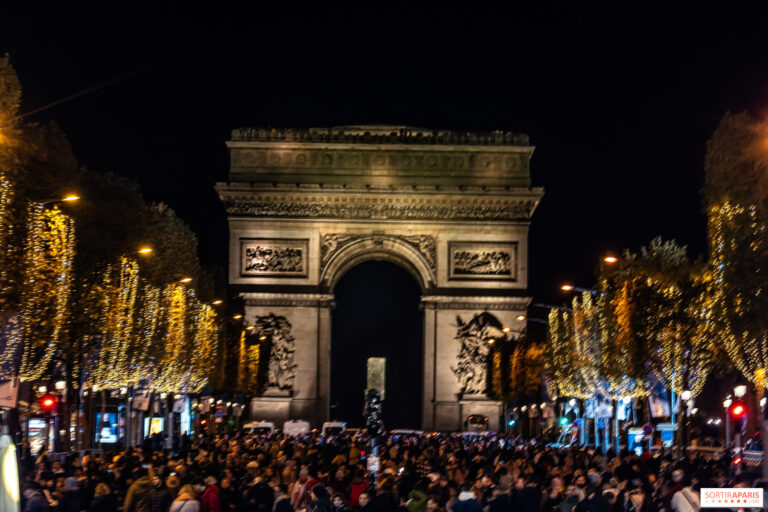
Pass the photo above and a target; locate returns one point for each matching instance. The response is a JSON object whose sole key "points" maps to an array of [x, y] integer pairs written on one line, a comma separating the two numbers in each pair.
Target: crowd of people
{"points": [[416, 473]]}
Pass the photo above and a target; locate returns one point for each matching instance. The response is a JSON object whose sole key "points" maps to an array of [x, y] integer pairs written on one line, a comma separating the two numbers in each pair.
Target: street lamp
{"points": [[217, 302], [66, 199], [185, 280], [60, 385], [237, 317], [567, 287], [519, 318], [740, 391], [726, 405], [145, 251], [610, 259]]}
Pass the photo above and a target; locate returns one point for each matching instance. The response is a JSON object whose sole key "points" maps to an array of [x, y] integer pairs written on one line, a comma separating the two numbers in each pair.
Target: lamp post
{"points": [[685, 397], [726, 405]]}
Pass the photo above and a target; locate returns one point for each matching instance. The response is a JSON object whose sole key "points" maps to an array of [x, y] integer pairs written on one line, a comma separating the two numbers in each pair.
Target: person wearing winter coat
{"points": [[34, 499], [72, 499], [186, 501], [138, 493], [321, 501], [502, 501], [466, 501], [159, 498], [104, 500], [210, 501]]}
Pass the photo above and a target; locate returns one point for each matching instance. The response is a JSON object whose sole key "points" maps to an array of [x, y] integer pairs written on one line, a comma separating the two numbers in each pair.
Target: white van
{"points": [[293, 428], [260, 428], [333, 428]]}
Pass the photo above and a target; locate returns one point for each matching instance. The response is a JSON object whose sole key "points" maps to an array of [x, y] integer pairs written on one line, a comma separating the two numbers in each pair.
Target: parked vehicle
{"points": [[261, 428], [331, 428], [292, 428]]}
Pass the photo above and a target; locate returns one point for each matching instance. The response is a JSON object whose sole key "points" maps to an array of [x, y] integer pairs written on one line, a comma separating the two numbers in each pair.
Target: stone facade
{"points": [[453, 209]]}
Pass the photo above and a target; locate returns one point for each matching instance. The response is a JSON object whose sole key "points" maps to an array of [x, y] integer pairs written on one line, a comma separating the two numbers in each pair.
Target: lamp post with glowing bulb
{"points": [[726, 406]]}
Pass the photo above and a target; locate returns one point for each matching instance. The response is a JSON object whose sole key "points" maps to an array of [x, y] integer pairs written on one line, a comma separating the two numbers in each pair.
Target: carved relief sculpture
{"points": [[472, 360], [333, 242], [276, 332], [274, 258], [483, 261]]}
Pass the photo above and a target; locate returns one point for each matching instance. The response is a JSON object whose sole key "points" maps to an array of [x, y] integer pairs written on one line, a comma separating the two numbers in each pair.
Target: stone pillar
{"points": [[309, 318], [430, 370]]}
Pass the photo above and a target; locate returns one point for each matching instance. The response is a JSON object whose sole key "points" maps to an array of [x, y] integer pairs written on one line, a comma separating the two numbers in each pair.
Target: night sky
{"points": [[619, 102]]}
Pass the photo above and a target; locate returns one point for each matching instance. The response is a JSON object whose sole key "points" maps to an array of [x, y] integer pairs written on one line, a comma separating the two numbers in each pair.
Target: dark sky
{"points": [[619, 102]]}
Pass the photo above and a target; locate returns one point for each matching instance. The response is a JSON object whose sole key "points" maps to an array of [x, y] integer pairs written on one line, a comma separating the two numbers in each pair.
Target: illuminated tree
{"points": [[736, 202]]}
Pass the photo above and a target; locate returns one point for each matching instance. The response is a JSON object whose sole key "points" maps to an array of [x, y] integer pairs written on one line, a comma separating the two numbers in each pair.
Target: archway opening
{"points": [[377, 315]]}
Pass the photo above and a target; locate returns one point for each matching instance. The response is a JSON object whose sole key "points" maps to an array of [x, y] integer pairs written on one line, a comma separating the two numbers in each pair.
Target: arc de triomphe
{"points": [[453, 209]]}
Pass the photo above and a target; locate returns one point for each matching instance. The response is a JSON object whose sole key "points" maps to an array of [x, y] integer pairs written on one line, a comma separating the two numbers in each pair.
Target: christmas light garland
{"points": [[49, 252]]}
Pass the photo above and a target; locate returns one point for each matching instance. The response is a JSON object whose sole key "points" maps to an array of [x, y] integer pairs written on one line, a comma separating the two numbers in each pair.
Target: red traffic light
{"points": [[48, 402], [738, 410], [737, 461], [203, 421]]}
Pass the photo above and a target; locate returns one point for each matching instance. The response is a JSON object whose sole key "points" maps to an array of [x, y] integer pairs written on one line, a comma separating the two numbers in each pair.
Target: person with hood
{"points": [[103, 500], [417, 498], [186, 501], [72, 497], [321, 501], [34, 499], [159, 498], [466, 501], [210, 500], [138, 492]]}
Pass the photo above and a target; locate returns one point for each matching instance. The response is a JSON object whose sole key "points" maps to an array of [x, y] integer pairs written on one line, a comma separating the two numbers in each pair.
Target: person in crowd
{"points": [[159, 498], [185, 501], [104, 499]]}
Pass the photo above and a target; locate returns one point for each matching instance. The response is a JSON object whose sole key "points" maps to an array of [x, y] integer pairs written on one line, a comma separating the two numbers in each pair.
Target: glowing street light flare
{"points": [[217, 302], [506, 329], [610, 259], [491, 341], [237, 317], [520, 318], [262, 338], [567, 287], [145, 250], [70, 197], [186, 280]]}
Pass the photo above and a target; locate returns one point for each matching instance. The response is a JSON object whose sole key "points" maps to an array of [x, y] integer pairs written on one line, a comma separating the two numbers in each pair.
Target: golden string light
{"points": [[734, 314], [49, 252]]}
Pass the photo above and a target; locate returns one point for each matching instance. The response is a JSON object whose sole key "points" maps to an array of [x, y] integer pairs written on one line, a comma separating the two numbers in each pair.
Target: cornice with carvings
{"points": [[431, 302], [363, 206]]}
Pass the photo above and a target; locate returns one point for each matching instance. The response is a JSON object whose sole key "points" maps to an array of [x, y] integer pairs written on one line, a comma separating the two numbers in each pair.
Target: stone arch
{"points": [[375, 247]]}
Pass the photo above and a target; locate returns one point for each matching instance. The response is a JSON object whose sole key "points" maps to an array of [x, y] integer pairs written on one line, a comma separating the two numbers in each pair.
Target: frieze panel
{"points": [[380, 135], [264, 257], [481, 260], [397, 210]]}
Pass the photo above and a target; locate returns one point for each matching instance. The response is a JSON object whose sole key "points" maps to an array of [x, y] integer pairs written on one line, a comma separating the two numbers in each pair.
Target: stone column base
{"points": [[279, 409]]}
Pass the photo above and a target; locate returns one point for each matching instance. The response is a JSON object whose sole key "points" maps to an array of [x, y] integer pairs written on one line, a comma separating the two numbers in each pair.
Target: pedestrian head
{"points": [[364, 499]]}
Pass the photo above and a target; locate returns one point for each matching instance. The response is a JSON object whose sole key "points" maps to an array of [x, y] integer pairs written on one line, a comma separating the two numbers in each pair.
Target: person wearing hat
{"points": [[321, 501]]}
